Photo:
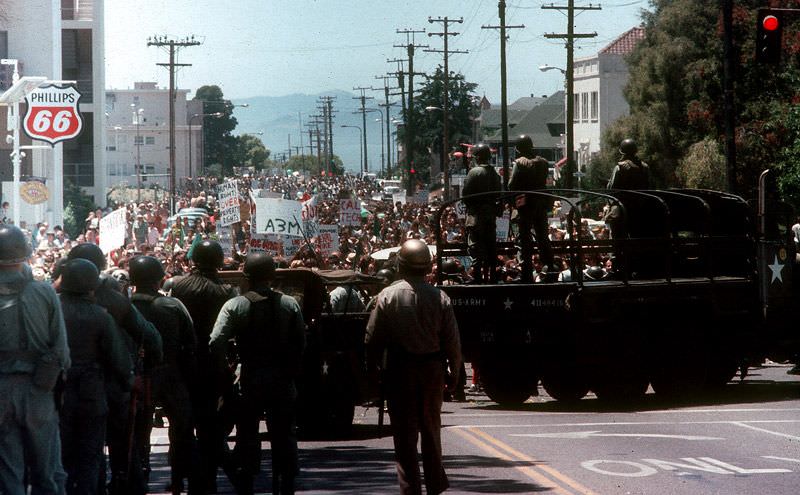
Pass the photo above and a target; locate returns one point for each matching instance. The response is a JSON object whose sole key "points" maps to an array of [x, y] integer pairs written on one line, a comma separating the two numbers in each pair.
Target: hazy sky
{"points": [[279, 47]]}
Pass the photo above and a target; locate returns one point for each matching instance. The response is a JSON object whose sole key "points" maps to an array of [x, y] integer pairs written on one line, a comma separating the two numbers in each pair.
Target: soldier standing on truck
{"points": [[530, 174], [481, 213], [270, 337], [414, 325]]}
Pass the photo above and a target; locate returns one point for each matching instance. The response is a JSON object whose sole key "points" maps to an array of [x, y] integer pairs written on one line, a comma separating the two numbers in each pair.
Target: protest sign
{"points": [[278, 216], [228, 199], [309, 216], [291, 245], [349, 212], [270, 244], [113, 228], [399, 198], [502, 226], [328, 239], [225, 239]]}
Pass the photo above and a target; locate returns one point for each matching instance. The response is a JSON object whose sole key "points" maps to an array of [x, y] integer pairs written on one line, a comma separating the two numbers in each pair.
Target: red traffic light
{"points": [[770, 23], [413, 171]]}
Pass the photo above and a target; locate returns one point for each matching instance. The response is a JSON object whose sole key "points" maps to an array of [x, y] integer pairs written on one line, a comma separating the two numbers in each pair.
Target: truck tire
{"points": [[565, 386], [507, 382]]}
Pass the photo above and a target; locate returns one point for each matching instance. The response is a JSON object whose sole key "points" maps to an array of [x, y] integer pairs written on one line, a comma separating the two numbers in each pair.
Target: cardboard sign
{"points": [[271, 245], [399, 198], [309, 216], [278, 216], [113, 228], [328, 239], [349, 212], [502, 225], [228, 199], [291, 245], [225, 239]]}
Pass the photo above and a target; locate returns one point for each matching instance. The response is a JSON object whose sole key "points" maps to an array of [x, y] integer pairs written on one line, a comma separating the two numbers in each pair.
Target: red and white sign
{"points": [[53, 114]]}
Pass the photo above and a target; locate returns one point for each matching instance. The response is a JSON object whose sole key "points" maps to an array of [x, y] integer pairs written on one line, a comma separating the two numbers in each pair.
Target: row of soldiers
{"points": [[529, 174], [107, 359]]}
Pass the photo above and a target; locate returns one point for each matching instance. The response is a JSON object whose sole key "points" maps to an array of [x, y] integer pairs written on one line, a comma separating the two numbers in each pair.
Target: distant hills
{"points": [[277, 117]]}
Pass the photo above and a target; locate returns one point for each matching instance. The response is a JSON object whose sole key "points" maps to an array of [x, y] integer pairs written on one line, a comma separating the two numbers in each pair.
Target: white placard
{"points": [[502, 226], [328, 239], [291, 245], [225, 239], [278, 216], [228, 200], [349, 212], [399, 198], [112, 230]]}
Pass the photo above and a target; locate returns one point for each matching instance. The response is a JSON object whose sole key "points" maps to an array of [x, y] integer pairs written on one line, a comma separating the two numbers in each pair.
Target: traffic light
{"points": [[769, 31]]}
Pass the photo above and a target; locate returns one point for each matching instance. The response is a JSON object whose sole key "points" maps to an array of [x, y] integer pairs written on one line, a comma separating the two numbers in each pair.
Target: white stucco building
{"points": [[148, 142], [598, 99], [60, 40]]}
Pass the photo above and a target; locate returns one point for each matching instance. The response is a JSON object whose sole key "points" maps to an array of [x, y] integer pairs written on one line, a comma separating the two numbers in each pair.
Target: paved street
{"points": [[743, 440]]}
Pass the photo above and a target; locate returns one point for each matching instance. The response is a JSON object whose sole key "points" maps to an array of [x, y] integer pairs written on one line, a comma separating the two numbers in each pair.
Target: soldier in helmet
{"points": [[203, 294], [33, 353], [144, 345], [269, 331], [99, 355], [631, 172], [414, 323], [481, 213], [171, 378], [530, 174]]}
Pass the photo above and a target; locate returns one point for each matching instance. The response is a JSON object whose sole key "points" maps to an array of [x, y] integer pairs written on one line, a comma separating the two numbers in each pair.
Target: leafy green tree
{"points": [[703, 167], [675, 92], [219, 145], [310, 165], [430, 125], [77, 209], [250, 152]]}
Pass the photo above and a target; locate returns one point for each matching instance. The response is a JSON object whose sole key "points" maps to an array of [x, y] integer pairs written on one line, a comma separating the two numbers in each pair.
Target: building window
{"points": [[137, 140], [576, 107], [3, 44], [593, 114], [136, 101], [150, 140], [584, 107], [76, 60]]}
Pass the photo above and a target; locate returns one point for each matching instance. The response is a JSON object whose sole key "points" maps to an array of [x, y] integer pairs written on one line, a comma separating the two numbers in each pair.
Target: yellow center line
{"points": [[552, 472], [528, 471]]}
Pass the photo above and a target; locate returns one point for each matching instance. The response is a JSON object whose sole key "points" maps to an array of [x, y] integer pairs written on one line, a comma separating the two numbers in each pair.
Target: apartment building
{"points": [[60, 40]]}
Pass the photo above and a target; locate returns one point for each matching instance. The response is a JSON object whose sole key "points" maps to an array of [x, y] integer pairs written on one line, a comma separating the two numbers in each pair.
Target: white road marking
{"points": [[627, 423], [590, 434], [641, 470], [740, 470], [518, 414], [687, 467], [787, 459], [744, 424]]}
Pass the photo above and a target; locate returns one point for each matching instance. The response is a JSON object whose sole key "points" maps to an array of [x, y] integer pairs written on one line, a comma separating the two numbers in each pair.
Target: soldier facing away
{"points": [[270, 335], [481, 213], [413, 323]]}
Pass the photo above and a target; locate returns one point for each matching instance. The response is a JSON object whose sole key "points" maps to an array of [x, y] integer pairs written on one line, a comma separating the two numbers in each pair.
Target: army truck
{"points": [[702, 285]]}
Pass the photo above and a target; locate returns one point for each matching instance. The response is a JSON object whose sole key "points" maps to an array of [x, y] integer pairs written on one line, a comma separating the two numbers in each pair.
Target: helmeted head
{"points": [[386, 275], [146, 270], [482, 153], [89, 251], [524, 145], [414, 258], [14, 246], [79, 276], [450, 267], [208, 255], [259, 267], [628, 147]]}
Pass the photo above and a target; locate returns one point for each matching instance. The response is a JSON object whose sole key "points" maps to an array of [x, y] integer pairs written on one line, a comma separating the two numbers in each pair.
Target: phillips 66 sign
{"points": [[53, 114]]}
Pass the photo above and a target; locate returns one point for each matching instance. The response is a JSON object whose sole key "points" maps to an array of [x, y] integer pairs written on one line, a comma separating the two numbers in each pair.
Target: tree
{"points": [[675, 92], [310, 165], [703, 167], [78, 206], [219, 144], [250, 152], [430, 125]]}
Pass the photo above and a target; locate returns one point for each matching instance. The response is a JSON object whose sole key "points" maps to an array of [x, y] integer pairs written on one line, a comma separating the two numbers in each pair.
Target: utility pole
{"points": [[445, 34], [410, 129], [501, 7], [363, 98], [289, 139], [387, 106], [173, 47], [400, 75], [570, 75], [728, 89]]}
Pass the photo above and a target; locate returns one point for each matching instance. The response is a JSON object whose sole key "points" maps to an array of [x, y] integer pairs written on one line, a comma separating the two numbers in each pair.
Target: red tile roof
{"points": [[625, 43]]}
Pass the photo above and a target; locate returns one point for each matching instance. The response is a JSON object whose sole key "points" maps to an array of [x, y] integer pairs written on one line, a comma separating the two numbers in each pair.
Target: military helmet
{"points": [[145, 270], [208, 254], [259, 266], [628, 147], [89, 251], [524, 143], [385, 274], [414, 256], [14, 246], [482, 152], [449, 267], [79, 276], [121, 276]]}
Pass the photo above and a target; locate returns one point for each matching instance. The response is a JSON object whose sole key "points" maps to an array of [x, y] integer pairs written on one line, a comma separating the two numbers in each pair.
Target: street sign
{"points": [[53, 114]]}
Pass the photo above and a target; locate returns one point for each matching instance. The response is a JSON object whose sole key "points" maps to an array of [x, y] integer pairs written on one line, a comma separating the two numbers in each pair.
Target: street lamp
{"points": [[568, 124], [191, 150], [361, 151], [137, 117], [381, 120]]}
